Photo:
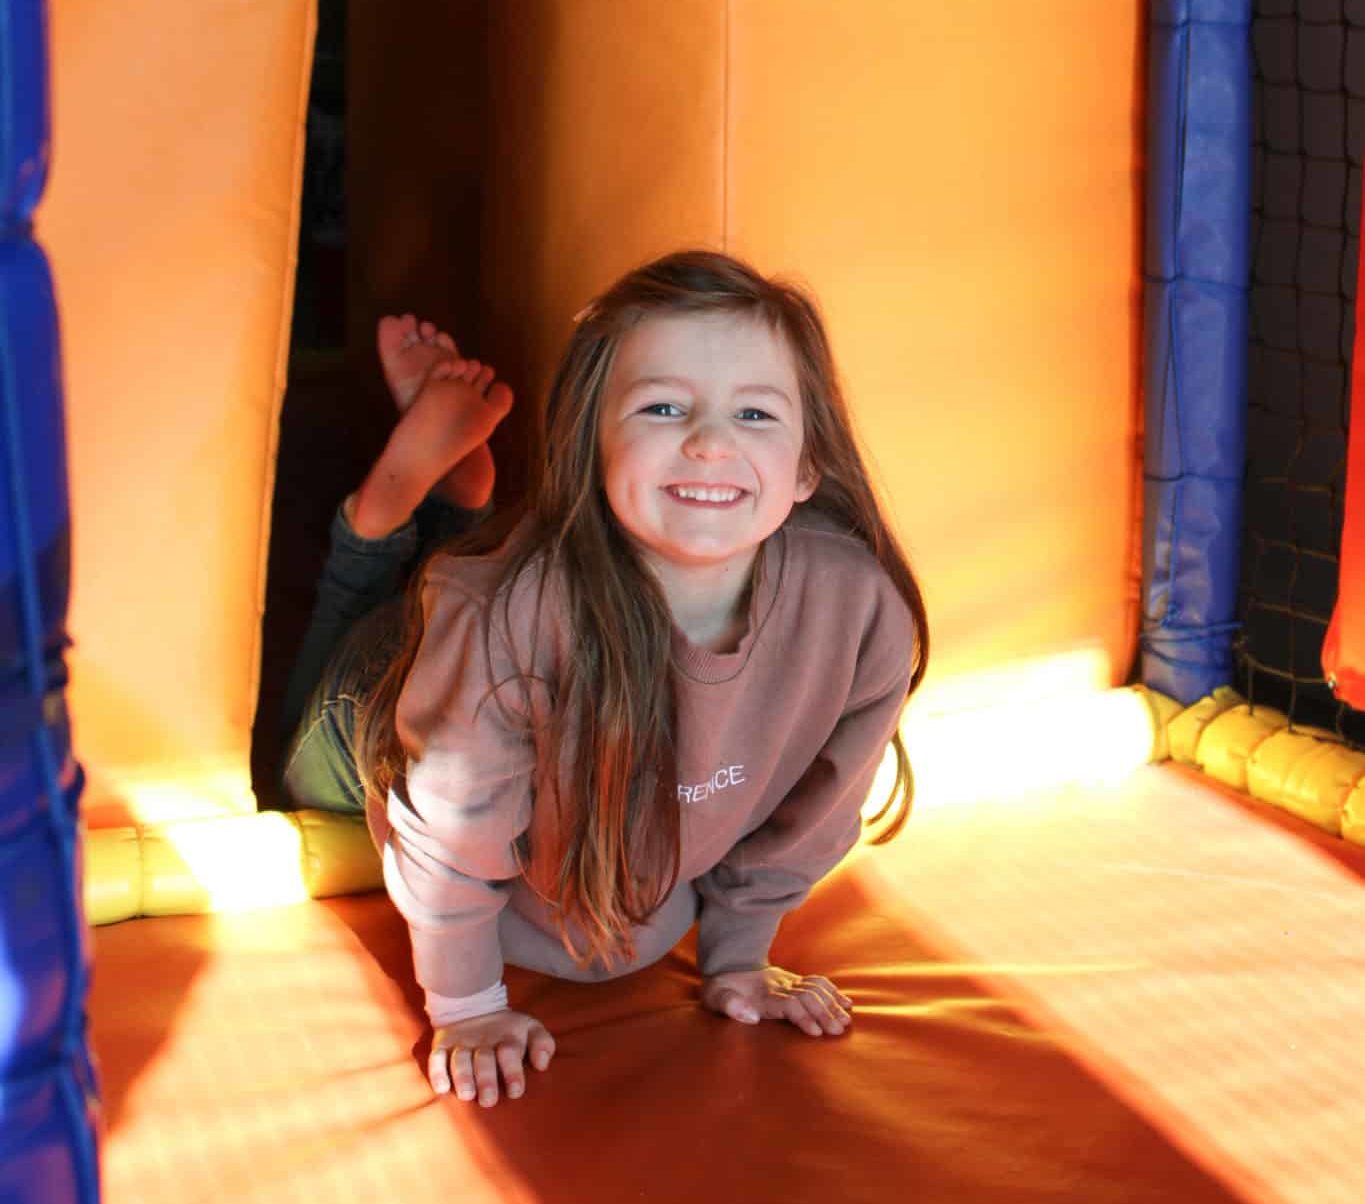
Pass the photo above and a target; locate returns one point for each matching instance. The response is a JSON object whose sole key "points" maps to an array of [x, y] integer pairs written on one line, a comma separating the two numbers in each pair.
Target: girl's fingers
{"points": [[796, 1010], [831, 1018], [510, 1056], [541, 1046], [734, 1005], [438, 1069], [463, 1063], [831, 997], [486, 1075]]}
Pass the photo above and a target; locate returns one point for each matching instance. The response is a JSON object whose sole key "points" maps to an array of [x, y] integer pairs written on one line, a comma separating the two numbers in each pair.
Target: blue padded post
{"points": [[23, 110], [48, 1100], [1196, 274]]}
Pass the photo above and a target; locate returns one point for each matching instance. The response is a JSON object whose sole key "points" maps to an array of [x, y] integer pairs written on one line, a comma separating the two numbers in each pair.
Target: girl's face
{"points": [[701, 438]]}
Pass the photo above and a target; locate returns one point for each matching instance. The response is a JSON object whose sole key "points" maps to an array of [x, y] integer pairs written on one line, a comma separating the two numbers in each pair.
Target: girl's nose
{"points": [[708, 441]]}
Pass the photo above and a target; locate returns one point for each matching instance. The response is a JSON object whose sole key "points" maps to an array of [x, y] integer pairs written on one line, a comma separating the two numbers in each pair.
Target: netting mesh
{"points": [[1309, 106]]}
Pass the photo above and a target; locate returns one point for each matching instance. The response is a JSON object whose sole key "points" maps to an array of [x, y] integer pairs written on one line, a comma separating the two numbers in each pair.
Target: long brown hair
{"points": [[613, 709]]}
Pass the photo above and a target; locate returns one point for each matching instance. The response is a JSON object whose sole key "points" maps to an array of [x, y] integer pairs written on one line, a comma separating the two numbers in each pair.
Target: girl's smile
{"points": [[705, 495]]}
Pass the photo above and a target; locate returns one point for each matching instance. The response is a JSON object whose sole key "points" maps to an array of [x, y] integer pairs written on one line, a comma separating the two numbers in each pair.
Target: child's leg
{"points": [[374, 537], [319, 768], [346, 657], [357, 576], [447, 409]]}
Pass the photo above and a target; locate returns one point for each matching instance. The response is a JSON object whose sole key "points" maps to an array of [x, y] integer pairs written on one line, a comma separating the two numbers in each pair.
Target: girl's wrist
{"points": [[447, 1009]]}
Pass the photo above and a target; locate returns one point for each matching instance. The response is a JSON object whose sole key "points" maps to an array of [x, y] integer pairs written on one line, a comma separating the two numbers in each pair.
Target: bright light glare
{"points": [[173, 792], [241, 862], [1014, 730]]}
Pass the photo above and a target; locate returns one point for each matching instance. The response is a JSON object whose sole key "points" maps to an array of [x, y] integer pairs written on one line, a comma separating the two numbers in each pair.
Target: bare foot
{"points": [[454, 413], [451, 417], [409, 351]]}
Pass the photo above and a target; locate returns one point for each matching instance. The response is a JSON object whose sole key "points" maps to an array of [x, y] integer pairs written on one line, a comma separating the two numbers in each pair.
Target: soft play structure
{"points": [[48, 1092], [1117, 954]]}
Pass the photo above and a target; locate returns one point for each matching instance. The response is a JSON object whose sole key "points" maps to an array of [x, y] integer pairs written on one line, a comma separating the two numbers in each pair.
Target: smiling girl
{"points": [[654, 695]]}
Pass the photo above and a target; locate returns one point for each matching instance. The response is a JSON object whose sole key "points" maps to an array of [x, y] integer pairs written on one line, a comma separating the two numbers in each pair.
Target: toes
{"points": [[500, 396], [394, 332], [444, 340], [484, 379], [427, 331]]}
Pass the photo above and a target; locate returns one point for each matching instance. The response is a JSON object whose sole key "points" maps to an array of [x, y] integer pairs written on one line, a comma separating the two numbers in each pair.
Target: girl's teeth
{"points": [[707, 495]]}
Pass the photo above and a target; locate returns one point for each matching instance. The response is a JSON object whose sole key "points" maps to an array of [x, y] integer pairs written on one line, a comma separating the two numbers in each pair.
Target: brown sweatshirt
{"points": [[777, 744]]}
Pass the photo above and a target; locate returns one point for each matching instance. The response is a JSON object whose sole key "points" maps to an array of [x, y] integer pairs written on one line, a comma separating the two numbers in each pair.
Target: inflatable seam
{"points": [[285, 323]]}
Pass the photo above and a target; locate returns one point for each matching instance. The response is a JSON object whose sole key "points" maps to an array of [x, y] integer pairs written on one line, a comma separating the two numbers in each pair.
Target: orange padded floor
{"points": [[1141, 991]]}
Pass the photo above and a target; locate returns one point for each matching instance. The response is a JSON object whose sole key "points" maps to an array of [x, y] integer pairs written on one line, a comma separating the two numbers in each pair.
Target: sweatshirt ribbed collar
{"points": [[712, 668]]}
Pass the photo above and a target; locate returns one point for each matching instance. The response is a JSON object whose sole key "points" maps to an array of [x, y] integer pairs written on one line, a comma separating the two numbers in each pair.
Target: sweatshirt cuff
{"points": [[456, 957], [727, 941], [458, 962], [446, 1009]]}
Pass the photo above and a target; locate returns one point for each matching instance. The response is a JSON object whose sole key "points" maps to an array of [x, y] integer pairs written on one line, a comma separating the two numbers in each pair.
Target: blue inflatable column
{"points": [[48, 1103], [1196, 272]]}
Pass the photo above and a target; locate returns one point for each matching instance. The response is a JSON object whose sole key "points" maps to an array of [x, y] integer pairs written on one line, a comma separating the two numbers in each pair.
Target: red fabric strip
{"points": [[1343, 650]]}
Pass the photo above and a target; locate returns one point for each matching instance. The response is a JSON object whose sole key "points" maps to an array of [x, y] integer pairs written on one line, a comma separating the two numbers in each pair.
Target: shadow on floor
{"points": [[940, 1091]]}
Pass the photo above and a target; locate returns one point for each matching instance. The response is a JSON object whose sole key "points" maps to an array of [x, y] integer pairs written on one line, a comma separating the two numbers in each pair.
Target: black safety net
{"points": [[1309, 121]]}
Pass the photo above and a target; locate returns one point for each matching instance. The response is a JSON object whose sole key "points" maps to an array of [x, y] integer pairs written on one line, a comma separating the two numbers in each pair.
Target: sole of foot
{"points": [[408, 351]]}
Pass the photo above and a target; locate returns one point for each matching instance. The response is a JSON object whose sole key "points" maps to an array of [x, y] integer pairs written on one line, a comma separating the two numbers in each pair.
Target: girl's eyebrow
{"points": [[683, 382]]}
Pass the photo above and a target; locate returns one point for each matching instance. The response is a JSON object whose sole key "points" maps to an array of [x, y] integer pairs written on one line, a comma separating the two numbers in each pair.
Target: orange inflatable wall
{"points": [[172, 223], [958, 183]]}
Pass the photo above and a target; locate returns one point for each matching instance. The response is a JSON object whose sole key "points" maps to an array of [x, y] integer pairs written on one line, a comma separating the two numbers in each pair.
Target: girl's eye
{"points": [[754, 414], [657, 407]]}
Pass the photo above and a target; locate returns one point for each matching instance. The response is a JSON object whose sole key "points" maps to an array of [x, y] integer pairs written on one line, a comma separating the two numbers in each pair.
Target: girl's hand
{"points": [[472, 1052], [814, 1004]]}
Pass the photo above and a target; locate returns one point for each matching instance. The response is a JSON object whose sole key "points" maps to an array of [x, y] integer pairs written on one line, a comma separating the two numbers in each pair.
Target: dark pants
{"points": [[354, 630]]}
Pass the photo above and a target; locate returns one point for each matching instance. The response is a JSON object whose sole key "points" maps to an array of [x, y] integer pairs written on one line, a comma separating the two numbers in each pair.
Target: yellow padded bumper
{"points": [[231, 863], [1306, 771], [235, 862]]}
